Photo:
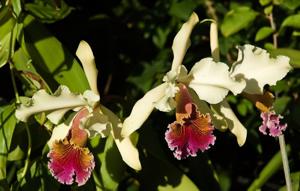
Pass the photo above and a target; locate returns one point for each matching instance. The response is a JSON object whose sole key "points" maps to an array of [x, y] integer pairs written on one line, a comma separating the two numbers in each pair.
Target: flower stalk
{"points": [[282, 144]]}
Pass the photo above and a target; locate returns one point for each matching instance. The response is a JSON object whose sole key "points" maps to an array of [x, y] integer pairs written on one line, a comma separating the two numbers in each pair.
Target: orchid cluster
{"points": [[198, 95], [208, 82]]}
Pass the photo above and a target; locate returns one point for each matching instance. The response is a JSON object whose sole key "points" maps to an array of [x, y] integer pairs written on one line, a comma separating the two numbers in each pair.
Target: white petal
{"points": [[128, 151], [96, 123], [233, 123], [182, 41], [142, 109], [92, 98], [42, 101], [87, 59], [57, 115], [167, 102], [59, 133], [211, 81], [258, 69]]}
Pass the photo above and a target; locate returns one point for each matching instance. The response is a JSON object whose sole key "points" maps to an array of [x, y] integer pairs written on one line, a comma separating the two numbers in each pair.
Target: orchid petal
{"points": [[182, 41], [211, 81], [59, 133], [87, 59], [42, 101], [258, 69], [96, 123], [234, 125], [128, 151], [142, 109], [57, 115]]}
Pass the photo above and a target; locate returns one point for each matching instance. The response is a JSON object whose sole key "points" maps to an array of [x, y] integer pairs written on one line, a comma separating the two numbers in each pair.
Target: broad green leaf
{"points": [[48, 11], [268, 171], [264, 2], [7, 127], [291, 4], [263, 33], [291, 21], [295, 179], [17, 7], [237, 19], [16, 154], [292, 53], [112, 168], [50, 59], [182, 9], [7, 35]]}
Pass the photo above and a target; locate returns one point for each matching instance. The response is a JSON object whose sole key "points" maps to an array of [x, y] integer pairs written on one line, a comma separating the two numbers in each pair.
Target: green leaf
{"points": [[183, 9], [263, 33], [50, 59], [237, 19], [48, 11], [16, 154], [291, 4], [17, 8], [281, 103], [7, 35], [7, 127], [265, 2], [291, 21], [268, 10], [292, 53], [113, 169], [268, 171]]}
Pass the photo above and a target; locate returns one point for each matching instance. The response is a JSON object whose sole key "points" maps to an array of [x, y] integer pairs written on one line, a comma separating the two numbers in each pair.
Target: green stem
{"points": [[285, 163]]}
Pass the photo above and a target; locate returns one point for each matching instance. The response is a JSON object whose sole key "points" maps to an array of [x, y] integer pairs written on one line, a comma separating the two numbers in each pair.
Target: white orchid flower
{"points": [[255, 68], [209, 79], [91, 119]]}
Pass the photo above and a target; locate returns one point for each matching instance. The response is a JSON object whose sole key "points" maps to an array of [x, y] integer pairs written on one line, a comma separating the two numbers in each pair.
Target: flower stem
{"points": [[282, 144], [285, 163]]}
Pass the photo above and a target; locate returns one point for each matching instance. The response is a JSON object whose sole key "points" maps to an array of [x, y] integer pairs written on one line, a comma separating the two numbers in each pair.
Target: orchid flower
{"points": [[210, 81], [255, 69], [69, 158]]}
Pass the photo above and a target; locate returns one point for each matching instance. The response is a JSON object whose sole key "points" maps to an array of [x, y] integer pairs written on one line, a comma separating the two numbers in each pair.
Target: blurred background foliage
{"points": [[132, 40]]}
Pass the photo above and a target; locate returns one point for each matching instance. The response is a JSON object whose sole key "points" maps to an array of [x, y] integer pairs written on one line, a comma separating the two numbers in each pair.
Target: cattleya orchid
{"points": [[255, 68], [69, 156], [210, 81]]}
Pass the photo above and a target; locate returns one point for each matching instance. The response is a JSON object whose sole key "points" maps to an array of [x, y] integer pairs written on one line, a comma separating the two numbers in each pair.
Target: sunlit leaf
{"points": [[7, 127], [182, 9], [291, 21], [263, 33], [237, 19], [51, 59], [7, 35]]}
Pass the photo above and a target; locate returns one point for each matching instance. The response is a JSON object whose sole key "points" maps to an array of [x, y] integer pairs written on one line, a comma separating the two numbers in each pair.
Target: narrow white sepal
{"points": [[87, 59], [182, 41], [128, 151], [142, 109], [234, 124]]}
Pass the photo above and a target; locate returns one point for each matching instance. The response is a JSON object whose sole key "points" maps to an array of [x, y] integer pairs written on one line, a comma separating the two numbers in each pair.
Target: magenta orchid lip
{"points": [[69, 159], [192, 131]]}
